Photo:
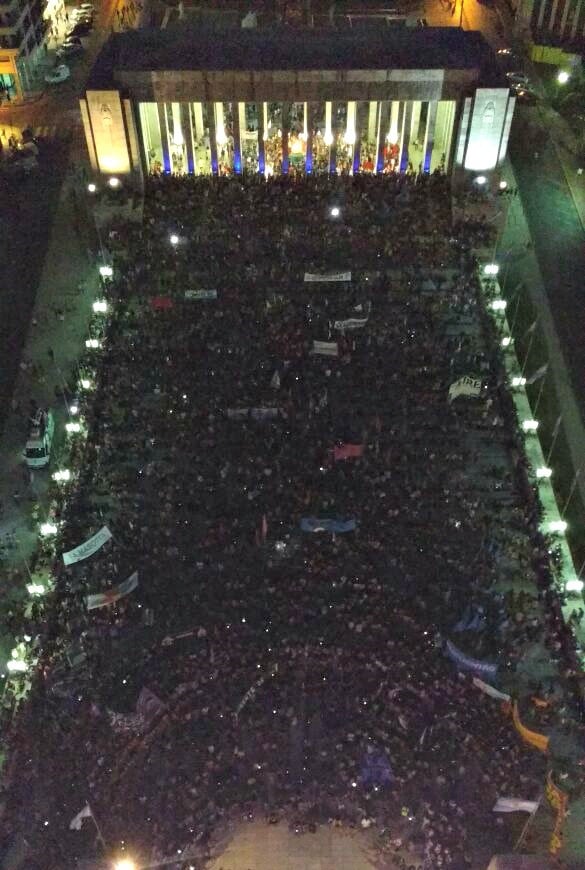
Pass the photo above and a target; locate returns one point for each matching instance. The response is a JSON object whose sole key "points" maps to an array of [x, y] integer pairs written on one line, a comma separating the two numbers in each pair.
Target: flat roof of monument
{"points": [[188, 46]]}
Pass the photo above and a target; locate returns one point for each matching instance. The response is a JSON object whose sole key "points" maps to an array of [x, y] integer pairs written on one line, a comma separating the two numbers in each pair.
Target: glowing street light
{"points": [[503, 184], [559, 526], [529, 425], [499, 305], [91, 187], [480, 180], [491, 269], [506, 341], [335, 211], [519, 381], [125, 864], [16, 665], [62, 476], [85, 384], [72, 428], [543, 472], [74, 409], [106, 271], [114, 182], [47, 529], [92, 343], [574, 585], [100, 306], [174, 239], [35, 589], [563, 77]]}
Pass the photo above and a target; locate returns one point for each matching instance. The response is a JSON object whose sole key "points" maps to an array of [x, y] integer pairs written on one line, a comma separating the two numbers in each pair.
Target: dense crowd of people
{"points": [[311, 520]]}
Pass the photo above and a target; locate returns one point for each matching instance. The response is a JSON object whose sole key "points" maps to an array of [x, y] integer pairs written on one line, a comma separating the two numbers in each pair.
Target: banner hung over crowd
{"points": [[102, 599], [88, 548], [327, 277], [468, 663]]}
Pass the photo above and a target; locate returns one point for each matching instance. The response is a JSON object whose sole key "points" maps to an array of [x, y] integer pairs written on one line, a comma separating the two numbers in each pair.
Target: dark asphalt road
{"points": [[558, 236], [27, 207]]}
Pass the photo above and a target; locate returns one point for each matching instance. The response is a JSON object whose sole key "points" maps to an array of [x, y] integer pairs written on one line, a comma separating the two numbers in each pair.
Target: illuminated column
{"points": [[383, 125], [393, 129], [576, 17], [405, 135], [553, 14], [262, 123], [429, 136], [199, 131], [162, 119], [414, 124], [330, 139], [187, 133], [372, 120], [285, 132], [237, 116], [212, 137], [541, 12], [309, 129], [360, 126], [565, 16]]}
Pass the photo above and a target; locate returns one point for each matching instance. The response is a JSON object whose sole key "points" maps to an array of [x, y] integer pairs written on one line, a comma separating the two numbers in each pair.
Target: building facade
{"points": [[554, 22], [23, 26], [412, 100]]}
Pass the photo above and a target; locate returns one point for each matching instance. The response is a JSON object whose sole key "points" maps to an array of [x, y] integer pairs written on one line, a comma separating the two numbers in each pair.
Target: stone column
{"points": [[553, 14], [333, 134], [407, 120], [372, 120], [237, 137], [385, 115], [188, 136], [429, 135], [576, 17], [564, 17], [164, 139], [285, 132], [212, 137], [361, 119], [199, 130], [260, 107], [309, 113]]}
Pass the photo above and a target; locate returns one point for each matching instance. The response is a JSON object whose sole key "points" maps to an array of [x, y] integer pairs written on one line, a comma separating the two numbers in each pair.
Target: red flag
{"points": [[347, 451], [161, 303]]}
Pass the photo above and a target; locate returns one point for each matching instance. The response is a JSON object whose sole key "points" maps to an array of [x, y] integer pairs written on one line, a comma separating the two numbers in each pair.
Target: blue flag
{"points": [[313, 524], [469, 664]]}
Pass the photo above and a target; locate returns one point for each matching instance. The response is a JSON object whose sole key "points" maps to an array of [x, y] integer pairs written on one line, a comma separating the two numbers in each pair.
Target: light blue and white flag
{"points": [[314, 524], [469, 664]]}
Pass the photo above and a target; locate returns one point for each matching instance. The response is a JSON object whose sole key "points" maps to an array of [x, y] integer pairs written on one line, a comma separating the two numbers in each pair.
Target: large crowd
{"points": [[310, 524]]}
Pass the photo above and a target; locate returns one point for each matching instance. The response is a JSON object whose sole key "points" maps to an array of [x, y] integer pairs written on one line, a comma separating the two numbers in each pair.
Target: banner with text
{"points": [[325, 348], [465, 386], [313, 277], [489, 690], [102, 599], [91, 546], [200, 294], [350, 323]]}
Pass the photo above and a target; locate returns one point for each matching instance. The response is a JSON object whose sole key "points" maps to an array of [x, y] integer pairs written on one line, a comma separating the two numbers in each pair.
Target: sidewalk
{"points": [[58, 325]]}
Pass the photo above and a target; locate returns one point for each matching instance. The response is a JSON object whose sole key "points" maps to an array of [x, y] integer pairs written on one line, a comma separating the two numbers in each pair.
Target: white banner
{"points": [[514, 805], [91, 546], [465, 386], [325, 348], [313, 277], [351, 323], [102, 599], [200, 294], [489, 690]]}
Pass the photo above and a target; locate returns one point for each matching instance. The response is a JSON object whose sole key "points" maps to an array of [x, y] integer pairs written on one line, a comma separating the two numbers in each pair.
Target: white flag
{"points": [[76, 823], [538, 374], [275, 380], [465, 386], [489, 690], [514, 805], [102, 599]]}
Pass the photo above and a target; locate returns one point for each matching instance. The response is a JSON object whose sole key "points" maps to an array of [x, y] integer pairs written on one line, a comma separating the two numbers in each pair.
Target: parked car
{"points": [[60, 74], [518, 78], [69, 50], [525, 95]]}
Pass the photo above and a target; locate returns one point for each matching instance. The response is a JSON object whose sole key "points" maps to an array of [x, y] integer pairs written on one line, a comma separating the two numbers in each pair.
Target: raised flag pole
{"points": [[538, 398], [555, 435], [100, 836], [526, 827], [532, 331], [571, 492]]}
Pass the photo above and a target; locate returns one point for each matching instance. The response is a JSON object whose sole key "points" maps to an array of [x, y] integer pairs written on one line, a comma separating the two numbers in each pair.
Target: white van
{"points": [[37, 452]]}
